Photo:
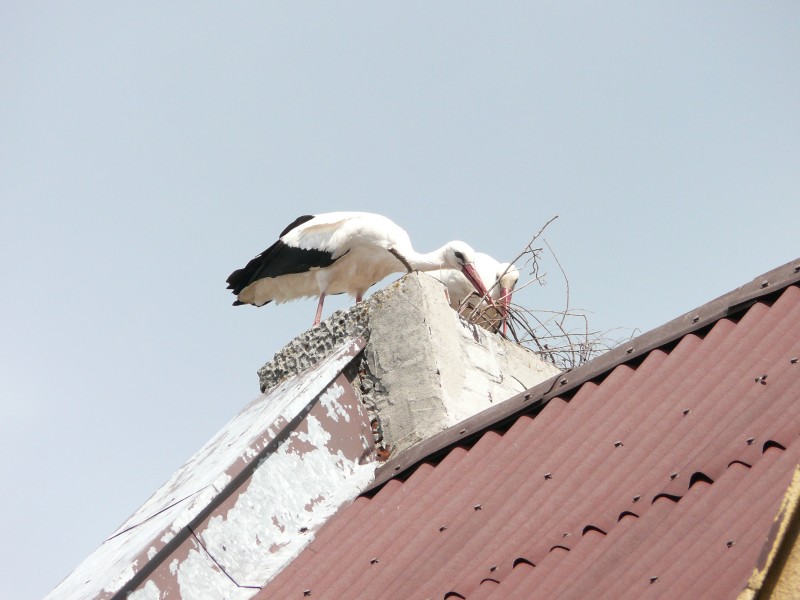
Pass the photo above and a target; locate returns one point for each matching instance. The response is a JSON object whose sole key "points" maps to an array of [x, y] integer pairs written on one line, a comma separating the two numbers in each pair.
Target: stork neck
{"points": [[429, 261]]}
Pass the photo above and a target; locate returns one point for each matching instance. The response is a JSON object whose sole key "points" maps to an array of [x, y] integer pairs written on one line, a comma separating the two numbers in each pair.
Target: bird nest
{"points": [[562, 337]]}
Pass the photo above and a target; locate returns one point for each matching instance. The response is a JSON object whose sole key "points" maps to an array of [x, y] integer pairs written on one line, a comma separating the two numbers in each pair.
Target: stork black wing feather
{"points": [[278, 259], [298, 221]]}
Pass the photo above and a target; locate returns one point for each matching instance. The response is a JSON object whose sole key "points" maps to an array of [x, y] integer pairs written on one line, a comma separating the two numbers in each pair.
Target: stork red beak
{"points": [[472, 276], [505, 303]]}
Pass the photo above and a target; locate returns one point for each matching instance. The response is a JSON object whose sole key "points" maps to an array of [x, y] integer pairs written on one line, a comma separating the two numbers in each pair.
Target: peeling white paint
{"points": [[114, 563], [150, 591], [151, 552], [316, 434], [126, 573], [329, 401], [259, 535], [200, 579], [221, 482], [194, 485]]}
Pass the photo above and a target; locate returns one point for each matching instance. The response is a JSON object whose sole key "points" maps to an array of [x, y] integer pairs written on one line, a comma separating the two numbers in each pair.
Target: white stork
{"points": [[490, 271], [340, 253]]}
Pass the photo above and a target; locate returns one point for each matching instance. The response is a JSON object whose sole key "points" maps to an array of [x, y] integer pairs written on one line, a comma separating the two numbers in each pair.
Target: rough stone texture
{"points": [[310, 347], [423, 368]]}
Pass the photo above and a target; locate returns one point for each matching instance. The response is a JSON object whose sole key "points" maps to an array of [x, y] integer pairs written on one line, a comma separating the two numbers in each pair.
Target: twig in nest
{"points": [[527, 250], [561, 337]]}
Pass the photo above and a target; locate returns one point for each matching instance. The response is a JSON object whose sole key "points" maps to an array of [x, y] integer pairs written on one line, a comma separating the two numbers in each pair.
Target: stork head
{"points": [[461, 256]]}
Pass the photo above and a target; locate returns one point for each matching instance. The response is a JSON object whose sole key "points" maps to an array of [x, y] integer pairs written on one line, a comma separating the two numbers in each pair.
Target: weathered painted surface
{"points": [[324, 463], [261, 486], [777, 574]]}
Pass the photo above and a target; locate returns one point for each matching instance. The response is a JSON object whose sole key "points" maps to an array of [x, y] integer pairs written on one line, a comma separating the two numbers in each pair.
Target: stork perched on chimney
{"points": [[340, 253]]}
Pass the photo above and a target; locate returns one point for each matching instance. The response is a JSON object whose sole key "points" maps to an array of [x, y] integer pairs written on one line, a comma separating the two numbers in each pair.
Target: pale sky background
{"points": [[150, 148]]}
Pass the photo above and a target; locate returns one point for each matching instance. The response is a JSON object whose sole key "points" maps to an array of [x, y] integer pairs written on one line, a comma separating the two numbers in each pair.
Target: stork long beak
{"points": [[472, 276], [505, 303]]}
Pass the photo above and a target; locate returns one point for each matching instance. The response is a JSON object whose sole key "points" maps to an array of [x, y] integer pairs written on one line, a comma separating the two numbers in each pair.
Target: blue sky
{"points": [[149, 149]]}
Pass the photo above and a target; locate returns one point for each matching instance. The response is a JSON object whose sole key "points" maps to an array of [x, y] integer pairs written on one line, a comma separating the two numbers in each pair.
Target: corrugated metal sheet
{"points": [[731, 305], [661, 477]]}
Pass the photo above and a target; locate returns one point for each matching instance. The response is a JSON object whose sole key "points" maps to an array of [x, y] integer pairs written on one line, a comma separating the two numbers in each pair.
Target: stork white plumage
{"points": [[340, 253], [490, 271]]}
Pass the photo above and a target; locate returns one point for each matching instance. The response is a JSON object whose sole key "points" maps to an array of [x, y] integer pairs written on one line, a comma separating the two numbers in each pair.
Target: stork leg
{"points": [[319, 309]]}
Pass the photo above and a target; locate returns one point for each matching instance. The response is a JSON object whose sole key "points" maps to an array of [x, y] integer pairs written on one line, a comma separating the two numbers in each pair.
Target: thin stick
{"points": [[566, 279], [528, 248]]}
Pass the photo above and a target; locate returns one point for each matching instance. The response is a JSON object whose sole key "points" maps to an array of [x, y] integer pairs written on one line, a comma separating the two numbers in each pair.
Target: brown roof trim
{"points": [[533, 399]]}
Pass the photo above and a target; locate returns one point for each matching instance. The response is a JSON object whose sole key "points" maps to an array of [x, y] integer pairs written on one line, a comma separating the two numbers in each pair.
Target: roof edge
{"points": [[773, 576], [534, 399]]}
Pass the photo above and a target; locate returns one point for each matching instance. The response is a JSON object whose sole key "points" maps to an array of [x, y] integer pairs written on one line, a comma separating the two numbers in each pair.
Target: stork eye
{"points": [[460, 256]]}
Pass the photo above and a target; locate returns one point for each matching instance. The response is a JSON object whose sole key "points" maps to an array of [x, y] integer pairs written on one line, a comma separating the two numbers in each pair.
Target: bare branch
{"points": [[528, 249], [566, 279], [560, 337]]}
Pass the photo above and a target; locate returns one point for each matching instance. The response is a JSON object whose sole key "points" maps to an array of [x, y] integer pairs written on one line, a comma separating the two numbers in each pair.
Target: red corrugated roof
{"points": [[660, 477]]}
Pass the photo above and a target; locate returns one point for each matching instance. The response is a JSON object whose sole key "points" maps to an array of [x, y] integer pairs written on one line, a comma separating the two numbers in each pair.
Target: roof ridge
{"points": [[534, 399]]}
